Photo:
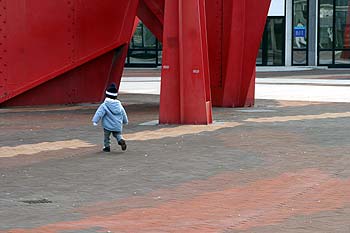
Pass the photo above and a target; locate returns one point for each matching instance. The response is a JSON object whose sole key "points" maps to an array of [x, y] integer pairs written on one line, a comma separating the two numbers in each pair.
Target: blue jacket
{"points": [[113, 115]]}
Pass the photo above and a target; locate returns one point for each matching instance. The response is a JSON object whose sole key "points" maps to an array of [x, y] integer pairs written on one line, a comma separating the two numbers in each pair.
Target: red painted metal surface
{"points": [[233, 42], [346, 54], [67, 51], [235, 31], [62, 51], [185, 87], [151, 13]]}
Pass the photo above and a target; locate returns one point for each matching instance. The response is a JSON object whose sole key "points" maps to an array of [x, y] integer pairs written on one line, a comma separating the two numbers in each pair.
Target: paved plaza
{"points": [[280, 167]]}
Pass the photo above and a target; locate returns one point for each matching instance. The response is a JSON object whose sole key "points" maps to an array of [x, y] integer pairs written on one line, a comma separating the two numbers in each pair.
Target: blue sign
{"points": [[299, 32]]}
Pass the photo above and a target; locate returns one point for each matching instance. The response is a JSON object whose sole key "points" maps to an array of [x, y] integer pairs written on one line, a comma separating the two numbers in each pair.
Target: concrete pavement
{"points": [[282, 166], [306, 85]]}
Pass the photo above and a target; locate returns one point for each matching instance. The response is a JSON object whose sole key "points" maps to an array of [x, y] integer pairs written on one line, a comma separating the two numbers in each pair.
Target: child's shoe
{"points": [[106, 149], [122, 144]]}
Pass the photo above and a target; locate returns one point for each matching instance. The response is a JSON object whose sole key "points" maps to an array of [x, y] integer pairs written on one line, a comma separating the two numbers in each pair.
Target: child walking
{"points": [[113, 117]]}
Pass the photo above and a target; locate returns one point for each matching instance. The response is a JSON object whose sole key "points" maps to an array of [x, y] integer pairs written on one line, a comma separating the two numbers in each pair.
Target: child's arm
{"points": [[99, 114], [125, 117]]}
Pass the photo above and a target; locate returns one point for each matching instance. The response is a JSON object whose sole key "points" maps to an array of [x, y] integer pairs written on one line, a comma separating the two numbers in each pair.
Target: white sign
{"points": [[277, 8]]}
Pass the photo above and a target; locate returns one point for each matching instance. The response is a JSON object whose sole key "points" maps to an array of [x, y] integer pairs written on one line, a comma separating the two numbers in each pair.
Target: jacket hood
{"points": [[113, 106]]}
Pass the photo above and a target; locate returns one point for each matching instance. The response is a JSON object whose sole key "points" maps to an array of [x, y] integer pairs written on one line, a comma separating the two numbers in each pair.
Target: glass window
{"points": [[275, 41], [299, 57], [342, 24], [342, 57], [260, 54], [271, 51], [326, 24], [334, 32], [300, 32], [300, 22], [144, 49], [325, 57], [160, 56]]}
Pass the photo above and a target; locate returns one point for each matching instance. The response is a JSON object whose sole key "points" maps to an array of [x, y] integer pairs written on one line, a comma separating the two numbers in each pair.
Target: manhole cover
{"points": [[40, 201]]}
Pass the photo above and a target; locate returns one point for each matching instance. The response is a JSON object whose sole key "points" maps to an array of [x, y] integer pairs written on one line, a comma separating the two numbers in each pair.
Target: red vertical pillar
{"points": [[185, 87], [216, 35], [245, 26], [235, 28], [346, 54]]}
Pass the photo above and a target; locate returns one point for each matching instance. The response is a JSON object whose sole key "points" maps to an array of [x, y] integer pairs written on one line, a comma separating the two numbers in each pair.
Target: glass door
{"points": [[300, 32], [272, 49], [334, 33]]}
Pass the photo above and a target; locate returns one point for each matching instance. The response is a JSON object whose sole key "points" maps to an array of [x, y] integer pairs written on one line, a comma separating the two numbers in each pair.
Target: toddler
{"points": [[113, 117]]}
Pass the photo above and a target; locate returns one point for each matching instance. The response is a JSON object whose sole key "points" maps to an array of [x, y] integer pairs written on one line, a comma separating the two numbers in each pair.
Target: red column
{"points": [[185, 87], [235, 29], [346, 54]]}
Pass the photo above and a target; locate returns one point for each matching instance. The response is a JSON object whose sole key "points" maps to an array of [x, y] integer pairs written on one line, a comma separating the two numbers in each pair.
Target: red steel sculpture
{"points": [[68, 51], [346, 53]]}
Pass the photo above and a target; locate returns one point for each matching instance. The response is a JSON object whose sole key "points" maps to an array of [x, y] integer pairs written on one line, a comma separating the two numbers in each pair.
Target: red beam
{"points": [[151, 13], [234, 43], [45, 40], [185, 86]]}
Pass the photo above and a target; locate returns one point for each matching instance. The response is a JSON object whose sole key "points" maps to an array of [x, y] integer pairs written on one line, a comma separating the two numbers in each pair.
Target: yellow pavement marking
{"points": [[299, 117], [289, 103], [178, 131], [29, 149]]}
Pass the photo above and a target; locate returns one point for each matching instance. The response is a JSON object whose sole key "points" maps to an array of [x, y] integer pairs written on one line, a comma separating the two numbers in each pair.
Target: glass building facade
{"points": [[300, 32], [297, 33], [144, 49], [272, 47], [334, 33]]}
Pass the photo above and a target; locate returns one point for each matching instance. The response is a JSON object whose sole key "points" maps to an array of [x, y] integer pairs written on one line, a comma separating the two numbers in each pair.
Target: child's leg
{"points": [[107, 140], [118, 136], [121, 141]]}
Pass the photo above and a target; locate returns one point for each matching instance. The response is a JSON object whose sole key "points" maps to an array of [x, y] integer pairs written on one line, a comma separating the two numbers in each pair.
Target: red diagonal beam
{"points": [[151, 13]]}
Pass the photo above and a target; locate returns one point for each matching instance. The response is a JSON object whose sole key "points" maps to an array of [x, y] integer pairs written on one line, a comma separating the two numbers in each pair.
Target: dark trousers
{"points": [[107, 135]]}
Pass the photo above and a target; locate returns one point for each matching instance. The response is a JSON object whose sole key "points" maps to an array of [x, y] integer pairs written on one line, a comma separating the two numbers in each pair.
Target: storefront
{"points": [[272, 47], [334, 33], [297, 33], [144, 49]]}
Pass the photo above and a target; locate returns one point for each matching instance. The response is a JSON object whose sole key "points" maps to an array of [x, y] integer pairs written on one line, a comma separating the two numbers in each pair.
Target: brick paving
{"points": [[282, 167]]}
